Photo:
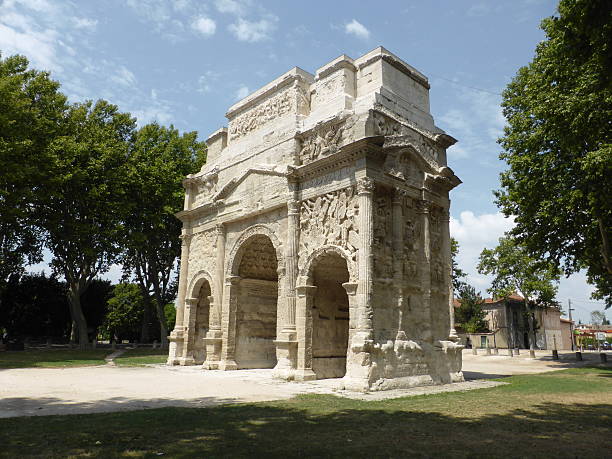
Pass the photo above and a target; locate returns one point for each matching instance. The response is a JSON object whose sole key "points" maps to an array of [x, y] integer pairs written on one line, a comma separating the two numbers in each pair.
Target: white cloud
{"points": [[232, 7], [85, 23], [253, 31], [474, 233], [477, 125], [356, 28], [124, 77], [242, 92], [204, 26], [206, 81]]}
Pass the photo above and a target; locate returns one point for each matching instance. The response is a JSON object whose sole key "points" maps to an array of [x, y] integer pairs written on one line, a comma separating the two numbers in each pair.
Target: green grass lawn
{"points": [[142, 356], [49, 358], [559, 414]]}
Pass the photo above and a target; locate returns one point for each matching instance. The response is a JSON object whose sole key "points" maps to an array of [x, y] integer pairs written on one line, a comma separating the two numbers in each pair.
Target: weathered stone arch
{"points": [[306, 272], [237, 251], [196, 283]]}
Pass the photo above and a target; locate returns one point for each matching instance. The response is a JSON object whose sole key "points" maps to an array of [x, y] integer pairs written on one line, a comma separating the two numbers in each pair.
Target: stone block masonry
{"points": [[316, 237]]}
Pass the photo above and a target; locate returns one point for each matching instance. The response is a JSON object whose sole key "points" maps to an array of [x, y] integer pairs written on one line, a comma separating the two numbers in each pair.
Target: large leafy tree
{"points": [[160, 158], [458, 274], [31, 114], [125, 311], [558, 144], [514, 270], [85, 205], [470, 316]]}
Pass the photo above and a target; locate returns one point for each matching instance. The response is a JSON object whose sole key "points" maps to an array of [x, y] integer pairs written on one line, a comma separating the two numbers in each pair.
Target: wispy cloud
{"points": [[239, 8], [474, 233], [253, 31], [206, 81], [357, 29], [204, 25], [124, 77], [242, 92]]}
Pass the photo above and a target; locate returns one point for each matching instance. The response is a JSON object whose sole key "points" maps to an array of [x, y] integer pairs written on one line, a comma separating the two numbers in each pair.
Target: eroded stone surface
{"points": [[316, 238]]}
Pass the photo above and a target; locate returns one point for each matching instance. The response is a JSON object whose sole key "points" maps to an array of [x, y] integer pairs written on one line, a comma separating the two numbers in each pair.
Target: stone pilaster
{"points": [[189, 319], [228, 323], [423, 209], [214, 336], [448, 270], [398, 257], [365, 191], [176, 336], [305, 299]]}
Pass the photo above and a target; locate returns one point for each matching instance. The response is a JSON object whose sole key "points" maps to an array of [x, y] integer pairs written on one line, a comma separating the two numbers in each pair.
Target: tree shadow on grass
{"points": [[319, 426]]}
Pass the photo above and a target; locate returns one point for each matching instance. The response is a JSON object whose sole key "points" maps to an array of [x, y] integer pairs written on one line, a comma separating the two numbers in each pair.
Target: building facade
{"points": [[316, 237]]}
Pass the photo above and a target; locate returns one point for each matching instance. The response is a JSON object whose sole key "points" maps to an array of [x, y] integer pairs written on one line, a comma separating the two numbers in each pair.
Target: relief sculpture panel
{"points": [[329, 219]]}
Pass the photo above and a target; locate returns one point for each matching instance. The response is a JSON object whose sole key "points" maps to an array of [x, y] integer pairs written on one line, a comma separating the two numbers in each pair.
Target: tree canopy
{"points": [[470, 316], [160, 158], [558, 144], [31, 114]]}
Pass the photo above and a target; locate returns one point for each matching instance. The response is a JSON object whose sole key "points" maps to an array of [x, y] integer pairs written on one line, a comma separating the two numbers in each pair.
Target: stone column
{"points": [[214, 336], [448, 270], [228, 323], [398, 257], [176, 336], [423, 208], [191, 309], [305, 299], [365, 191]]}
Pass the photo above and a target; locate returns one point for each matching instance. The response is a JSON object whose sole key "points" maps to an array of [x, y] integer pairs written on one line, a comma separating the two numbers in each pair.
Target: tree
{"points": [[457, 273], [598, 318], [160, 158], [558, 144], [31, 111], [513, 270], [125, 311], [470, 315], [84, 208]]}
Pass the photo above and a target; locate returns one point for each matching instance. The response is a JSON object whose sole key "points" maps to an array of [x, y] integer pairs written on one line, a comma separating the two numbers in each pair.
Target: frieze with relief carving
{"points": [[325, 140], [329, 219]]}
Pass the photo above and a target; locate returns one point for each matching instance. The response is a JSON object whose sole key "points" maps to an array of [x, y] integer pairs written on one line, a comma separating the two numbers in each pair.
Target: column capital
{"points": [[219, 229], [398, 195], [423, 206], [191, 302], [365, 185], [305, 290], [351, 288]]}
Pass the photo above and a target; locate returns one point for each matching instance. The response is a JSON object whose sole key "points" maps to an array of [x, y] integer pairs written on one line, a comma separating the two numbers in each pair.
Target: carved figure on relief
{"points": [[202, 251], [411, 238], [383, 240], [329, 219], [325, 140], [274, 107]]}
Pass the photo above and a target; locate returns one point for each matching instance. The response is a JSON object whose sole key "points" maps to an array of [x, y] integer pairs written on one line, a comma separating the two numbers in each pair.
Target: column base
{"points": [[304, 375], [213, 342], [228, 365], [286, 357]]}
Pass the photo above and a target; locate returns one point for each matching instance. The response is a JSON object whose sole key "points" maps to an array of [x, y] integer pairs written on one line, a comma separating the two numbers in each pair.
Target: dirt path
{"points": [[45, 391]]}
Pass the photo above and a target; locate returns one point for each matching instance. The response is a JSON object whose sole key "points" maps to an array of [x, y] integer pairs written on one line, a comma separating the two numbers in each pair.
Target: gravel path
{"points": [[45, 391]]}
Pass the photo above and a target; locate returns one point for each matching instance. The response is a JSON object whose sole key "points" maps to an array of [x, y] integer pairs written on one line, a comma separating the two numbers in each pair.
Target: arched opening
{"points": [[256, 312], [330, 317], [202, 314]]}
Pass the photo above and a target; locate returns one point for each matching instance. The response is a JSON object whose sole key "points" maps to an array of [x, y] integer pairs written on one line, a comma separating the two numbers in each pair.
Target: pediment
{"points": [[254, 177]]}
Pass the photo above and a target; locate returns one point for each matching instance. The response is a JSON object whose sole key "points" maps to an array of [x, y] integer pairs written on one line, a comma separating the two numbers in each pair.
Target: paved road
{"points": [[44, 391]]}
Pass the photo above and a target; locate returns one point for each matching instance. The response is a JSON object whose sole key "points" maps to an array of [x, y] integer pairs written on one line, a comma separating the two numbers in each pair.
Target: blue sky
{"points": [[186, 61]]}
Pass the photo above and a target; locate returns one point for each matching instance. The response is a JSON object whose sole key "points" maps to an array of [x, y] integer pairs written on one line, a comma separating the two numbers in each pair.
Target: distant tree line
{"points": [[82, 181]]}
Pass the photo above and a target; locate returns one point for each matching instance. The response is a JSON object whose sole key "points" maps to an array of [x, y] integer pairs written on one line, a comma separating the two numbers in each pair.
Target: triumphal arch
{"points": [[316, 237]]}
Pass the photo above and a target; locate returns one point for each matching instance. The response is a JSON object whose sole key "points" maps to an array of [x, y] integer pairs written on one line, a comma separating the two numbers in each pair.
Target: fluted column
{"points": [[291, 263], [215, 320], [177, 344], [448, 270], [365, 191], [398, 256], [305, 299], [423, 208], [228, 323]]}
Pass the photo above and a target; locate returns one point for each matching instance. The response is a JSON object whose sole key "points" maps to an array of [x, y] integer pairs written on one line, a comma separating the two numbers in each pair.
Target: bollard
{"points": [[603, 357], [495, 351], [531, 353], [578, 355], [510, 353], [49, 343], [488, 350], [113, 344], [155, 344], [474, 351], [555, 354], [517, 351], [94, 343]]}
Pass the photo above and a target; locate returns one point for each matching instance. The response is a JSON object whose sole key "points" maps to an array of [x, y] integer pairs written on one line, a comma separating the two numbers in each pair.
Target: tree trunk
{"points": [[145, 336], [78, 318], [159, 307]]}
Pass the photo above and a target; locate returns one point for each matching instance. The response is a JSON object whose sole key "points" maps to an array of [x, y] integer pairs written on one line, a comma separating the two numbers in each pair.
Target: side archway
{"points": [[198, 314]]}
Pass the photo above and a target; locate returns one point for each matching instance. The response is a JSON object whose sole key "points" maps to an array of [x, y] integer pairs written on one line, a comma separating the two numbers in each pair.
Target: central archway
{"points": [[256, 312], [330, 316]]}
